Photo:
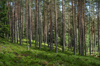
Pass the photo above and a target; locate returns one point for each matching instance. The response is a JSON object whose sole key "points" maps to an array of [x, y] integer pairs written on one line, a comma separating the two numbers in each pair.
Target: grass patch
{"points": [[16, 55]]}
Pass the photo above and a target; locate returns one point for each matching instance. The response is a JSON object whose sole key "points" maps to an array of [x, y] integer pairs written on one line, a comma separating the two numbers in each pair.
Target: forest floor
{"points": [[16, 55]]}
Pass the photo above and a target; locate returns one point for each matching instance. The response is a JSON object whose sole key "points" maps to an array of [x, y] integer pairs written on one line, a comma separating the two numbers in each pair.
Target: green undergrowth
{"points": [[16, 55]]}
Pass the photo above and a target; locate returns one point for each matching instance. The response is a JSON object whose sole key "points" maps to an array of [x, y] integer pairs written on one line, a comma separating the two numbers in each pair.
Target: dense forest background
{"points": [[70, 24], [49, 32]]}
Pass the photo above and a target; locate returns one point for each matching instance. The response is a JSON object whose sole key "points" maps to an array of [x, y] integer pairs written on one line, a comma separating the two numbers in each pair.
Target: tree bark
{"points": [[36, 24], [39, 21], [30, 33], [13, 21], [73, 28], [21, 24], [56, 26], [63, 26], [26, 17], [16, 21], [89, 32], [81, 27], [44, 23], [51, 36]]}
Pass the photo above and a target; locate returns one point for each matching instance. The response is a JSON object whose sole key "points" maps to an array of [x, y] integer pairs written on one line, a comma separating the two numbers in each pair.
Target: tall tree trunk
{"points": [[32, 25], [46, 32], [92, 37], [13, 20], [9, 20], [48, 21], [36, 24], [69, 31], [44, 23], [84, 39], [83, 21], [63, 26], [21, 20], [79, 34], [94, 47], [81, 26], [41, 37], [85, 29], [39, 21], [73, 28], [51, 36], [56, 26], [30, 33], [89, 32], [21, 24], [76, 26], [26, 17], [94, 44], [16, 21]]}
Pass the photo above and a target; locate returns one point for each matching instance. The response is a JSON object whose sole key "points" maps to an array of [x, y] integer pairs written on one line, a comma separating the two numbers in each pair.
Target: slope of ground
{"points": [[16, 55]]}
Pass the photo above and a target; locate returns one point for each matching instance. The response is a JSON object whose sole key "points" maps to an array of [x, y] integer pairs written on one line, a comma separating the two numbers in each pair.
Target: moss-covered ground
{"points": [[15, 55]]}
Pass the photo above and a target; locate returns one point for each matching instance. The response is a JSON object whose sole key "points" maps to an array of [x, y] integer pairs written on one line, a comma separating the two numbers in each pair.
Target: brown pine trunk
{"points": [[36, 24], [21, 24], [63, 26], [16, 21], [89, 32], [13, 21], [56, 26], [94, 40], [32, 25], [41, 25], [69, 31], [92, 37], [21, 19], [26, 17], [39, 21], [51, 27], [79, 34], [9, 20], [69, 19], [83, 21], [29, 24], [81, 27], [74, 27], [84, 39], [48, 21], [44, 23], [94, 47]]}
